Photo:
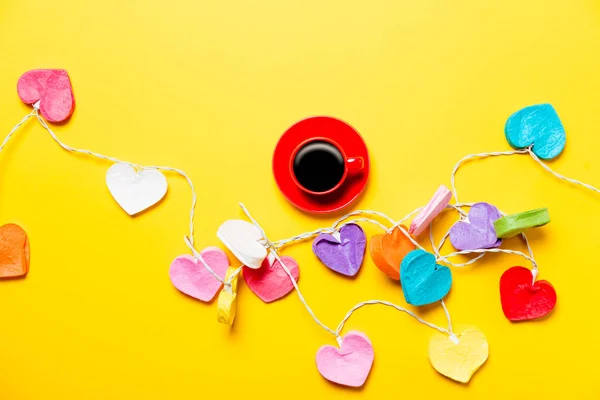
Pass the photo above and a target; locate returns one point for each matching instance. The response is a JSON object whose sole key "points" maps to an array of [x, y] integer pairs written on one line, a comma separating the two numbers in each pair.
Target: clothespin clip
{"points": [[227, 301]]}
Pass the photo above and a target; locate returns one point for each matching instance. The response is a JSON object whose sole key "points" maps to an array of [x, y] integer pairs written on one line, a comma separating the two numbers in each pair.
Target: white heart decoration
{"points": [[135, 191], [241, 237]]}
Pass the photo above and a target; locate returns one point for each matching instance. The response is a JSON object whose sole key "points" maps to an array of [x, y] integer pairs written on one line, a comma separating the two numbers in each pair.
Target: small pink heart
{"points": [[350, 364], [53, 88], [270, 282], [191, 277]]}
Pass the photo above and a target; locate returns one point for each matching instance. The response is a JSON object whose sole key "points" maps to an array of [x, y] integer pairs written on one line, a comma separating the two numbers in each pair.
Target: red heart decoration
{"points": [[521, 298], [270, 282], [52, 87]]}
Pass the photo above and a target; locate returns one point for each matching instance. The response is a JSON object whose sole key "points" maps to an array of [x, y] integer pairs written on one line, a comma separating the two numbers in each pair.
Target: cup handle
{"points": [[355, 164]]}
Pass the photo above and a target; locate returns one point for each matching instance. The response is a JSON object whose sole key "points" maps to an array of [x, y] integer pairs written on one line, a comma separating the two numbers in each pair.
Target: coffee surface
{"points": [[318, 166]]}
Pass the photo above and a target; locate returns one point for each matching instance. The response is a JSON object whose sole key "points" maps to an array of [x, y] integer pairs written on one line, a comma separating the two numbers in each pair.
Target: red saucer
{"points": [[339, 132]]}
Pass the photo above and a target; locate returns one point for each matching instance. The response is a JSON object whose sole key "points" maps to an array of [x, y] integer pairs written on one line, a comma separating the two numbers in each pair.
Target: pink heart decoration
{"points": [[52, 87], [270, 282], [191, 277], [350, 364]]}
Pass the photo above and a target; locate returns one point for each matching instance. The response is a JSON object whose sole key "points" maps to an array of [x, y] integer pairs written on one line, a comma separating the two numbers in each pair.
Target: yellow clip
{"points": [[227, 302]]}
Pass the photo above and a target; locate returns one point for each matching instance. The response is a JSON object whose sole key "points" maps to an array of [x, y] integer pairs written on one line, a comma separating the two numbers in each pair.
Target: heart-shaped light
{"points": [[436, 205], [424, 281], [460, 357], [389, 249], [539, 126], [270, 282], [512, 225], [521, 298], [52, 88], [227, 301], [478, 232], [343, 251], [190, 276], [350, 364], [242, 238], [14, 251], [135, 191]]}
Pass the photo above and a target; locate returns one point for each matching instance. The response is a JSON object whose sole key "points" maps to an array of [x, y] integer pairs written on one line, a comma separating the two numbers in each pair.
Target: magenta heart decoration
{"points": [[342, 251], [52, 88], [191, 277], [350, 364], [270, 282], [478, 232]]}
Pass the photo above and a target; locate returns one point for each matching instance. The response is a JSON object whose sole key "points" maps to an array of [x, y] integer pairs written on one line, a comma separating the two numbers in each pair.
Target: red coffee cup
{"points": [[319, 166]]}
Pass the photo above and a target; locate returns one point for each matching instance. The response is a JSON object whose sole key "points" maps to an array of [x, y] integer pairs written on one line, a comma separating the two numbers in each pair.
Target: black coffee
{"points": [[318, 166]]}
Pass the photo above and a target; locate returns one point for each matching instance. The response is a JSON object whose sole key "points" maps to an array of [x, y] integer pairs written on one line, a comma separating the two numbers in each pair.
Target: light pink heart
{"points": [[53, 88], [270, 282], [350, 364], [191, 277]]}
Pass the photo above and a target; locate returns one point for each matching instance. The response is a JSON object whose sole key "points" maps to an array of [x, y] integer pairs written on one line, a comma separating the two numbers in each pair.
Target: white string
{"points": [[397, 307], [559, 176], [361, 212], [479, 155], [480, 251], [336, 332], [16, 127]]}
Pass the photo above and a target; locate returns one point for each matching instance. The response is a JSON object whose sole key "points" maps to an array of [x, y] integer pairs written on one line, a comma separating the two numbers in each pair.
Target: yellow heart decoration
{"points": [[458, 358], [227, 301]]}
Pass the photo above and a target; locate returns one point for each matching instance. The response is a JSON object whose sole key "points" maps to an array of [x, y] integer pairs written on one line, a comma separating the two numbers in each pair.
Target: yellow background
{"points": [[209, 87]]}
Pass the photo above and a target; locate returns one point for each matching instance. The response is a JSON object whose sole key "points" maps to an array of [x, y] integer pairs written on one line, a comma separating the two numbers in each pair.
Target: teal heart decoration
{"points": [[424, 281], [539, 126]]}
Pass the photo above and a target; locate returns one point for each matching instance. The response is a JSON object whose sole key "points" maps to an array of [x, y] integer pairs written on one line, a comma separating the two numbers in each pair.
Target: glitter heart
{"points": [[52, 88], [424, 281], [350, 364], [478, 232], [521, 298], [539, 126], [270, 282], [342, 251]]}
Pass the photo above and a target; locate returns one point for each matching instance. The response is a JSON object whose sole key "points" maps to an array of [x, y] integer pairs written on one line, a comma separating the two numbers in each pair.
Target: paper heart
{"points": [[270, 282], [388, 249], [52, 87], [424, 281], [521, 298], [190, 276], [350, 364], [458, 359], [14, 251], [436, 205], [242, 238], [512, 225], [135, 191], [539, 126], [478, 232], [227, 301], [342, 251]]}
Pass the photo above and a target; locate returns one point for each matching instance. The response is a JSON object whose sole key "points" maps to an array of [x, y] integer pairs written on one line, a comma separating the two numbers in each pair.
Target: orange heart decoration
{"points": [[388, 249], [14, 251]]}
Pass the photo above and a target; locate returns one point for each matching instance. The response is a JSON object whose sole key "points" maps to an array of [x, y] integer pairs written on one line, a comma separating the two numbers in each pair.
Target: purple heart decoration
{"points": [[342, 251], [478, 231]]}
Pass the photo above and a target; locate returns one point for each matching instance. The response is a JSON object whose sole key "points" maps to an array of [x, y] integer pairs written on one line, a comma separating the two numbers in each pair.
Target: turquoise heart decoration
{"points": [[539, 126], [424, 281]]}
